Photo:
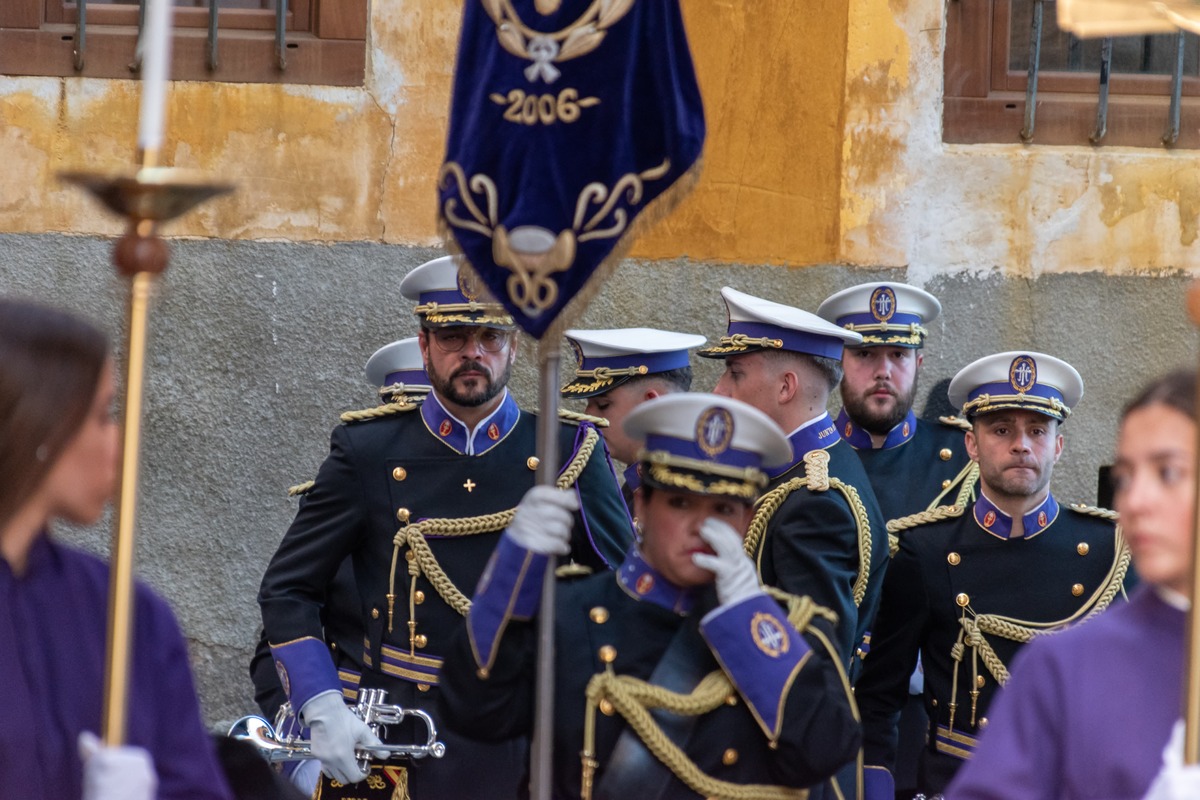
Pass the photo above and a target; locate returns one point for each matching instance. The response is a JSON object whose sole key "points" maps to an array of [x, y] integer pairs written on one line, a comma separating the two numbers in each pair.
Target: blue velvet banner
{"points": [[570, 118]]}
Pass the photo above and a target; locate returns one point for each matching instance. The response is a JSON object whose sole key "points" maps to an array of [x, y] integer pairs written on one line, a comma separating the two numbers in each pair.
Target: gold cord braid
{"points": [[424, 562], [975, 627], [579, 416], [966, 480], [633, 699], [770, 502], [378, 411], [301, 488]]}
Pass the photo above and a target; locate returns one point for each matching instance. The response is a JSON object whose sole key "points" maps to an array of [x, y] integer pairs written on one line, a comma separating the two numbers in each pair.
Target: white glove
{"points": [[335, 732], [115, 773], [544, 520], [1174, 780], [736, 577]]}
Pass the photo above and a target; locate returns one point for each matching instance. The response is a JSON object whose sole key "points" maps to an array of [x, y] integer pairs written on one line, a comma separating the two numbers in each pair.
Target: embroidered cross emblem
{"points": [[469, 485]]}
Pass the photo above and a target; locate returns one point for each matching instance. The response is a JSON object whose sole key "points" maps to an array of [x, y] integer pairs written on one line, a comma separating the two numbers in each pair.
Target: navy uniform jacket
{"points": [[343, 628], [1045, 577], [919, 460], [639, 615], [414, 466], [811, 543]]}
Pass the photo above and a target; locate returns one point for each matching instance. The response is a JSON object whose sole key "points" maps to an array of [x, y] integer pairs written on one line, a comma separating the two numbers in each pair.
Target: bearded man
{"points": [[417, 498]]}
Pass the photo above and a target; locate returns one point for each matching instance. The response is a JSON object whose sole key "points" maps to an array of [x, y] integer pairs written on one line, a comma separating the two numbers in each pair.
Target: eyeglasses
{"points": [[452, 340]]}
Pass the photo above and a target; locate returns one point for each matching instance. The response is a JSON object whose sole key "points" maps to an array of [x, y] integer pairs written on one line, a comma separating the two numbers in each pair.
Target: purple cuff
{"points": [[305, 670], [510, 588], [761, 652]]}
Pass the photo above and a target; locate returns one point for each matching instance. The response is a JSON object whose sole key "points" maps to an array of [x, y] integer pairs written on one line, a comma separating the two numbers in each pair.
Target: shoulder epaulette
{"points": [[956, 422], [1094, 511], [924, 517], [378, 412], [577, 417], [301, 488]]}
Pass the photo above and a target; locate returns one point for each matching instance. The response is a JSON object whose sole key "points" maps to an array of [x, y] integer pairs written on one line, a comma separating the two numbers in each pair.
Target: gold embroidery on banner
{"points": [[530, 109], [533, 253], [542, 49]]}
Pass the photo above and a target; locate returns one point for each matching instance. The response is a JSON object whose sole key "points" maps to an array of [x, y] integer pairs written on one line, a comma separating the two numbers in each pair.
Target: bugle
{"points": [[371, 709]]}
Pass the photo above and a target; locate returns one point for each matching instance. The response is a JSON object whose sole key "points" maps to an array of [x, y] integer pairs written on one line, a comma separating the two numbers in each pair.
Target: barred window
{"points": [[260, 41], [1147, 99]]}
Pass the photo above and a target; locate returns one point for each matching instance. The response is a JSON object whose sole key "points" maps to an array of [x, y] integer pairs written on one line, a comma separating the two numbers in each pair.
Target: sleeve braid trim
{"points": [[633, 699], [770, 502], [415, 537]]}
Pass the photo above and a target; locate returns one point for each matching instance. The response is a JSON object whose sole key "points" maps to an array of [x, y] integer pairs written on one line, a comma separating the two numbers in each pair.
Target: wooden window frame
{"points": [[985, 100], [326, 42]]}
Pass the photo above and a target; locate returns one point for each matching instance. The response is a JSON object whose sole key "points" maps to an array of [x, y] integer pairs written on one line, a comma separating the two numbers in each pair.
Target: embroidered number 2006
{"points": [[545, 109]]}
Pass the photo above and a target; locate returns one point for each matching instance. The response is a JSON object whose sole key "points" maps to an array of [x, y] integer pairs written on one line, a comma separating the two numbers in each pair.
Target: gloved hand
{"points": [[1175, 781], [737, 578], [115, 773], [544, 520], [335, 732]]}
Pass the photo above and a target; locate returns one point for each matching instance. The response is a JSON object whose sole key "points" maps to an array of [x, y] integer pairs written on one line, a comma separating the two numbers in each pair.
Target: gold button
{"points": [[946, 483], [333, 646], [599, 615], [731, 700], [979, 681], [983, 723], [399, 473], [945, 454], [1077, 589], [608, 654], [420, 640], [729, 757], [953, 559], [606, 708], [402, 514], [410, 556], [422, 687], [482, 673], [1082, 548], [374, 613], [962, 599], [418, 597], [532, 462]]}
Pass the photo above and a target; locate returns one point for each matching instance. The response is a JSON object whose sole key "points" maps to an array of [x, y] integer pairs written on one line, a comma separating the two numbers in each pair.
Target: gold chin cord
{"points": [[145, 199]]}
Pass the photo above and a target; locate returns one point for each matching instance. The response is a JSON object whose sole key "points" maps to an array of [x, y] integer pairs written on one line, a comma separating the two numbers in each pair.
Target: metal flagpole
{"points": [[147, 198], [1191, 672], [542, 758]]}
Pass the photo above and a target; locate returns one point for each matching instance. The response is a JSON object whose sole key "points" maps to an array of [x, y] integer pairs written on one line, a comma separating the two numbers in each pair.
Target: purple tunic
{"points": [[52, 654], [1087, 712]]}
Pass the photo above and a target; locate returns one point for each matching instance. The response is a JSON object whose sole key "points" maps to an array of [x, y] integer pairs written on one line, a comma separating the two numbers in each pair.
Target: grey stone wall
{"points": [[259, 346]]}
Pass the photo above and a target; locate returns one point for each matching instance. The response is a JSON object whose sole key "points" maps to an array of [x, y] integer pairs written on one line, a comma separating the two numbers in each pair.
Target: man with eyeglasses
{"points": [[418, 500]]}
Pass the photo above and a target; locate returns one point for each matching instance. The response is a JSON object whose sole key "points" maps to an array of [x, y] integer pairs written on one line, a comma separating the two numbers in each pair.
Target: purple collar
{"points": [[860, 439], [641, 582], [454, 434], [999, 524], [816, 434]]}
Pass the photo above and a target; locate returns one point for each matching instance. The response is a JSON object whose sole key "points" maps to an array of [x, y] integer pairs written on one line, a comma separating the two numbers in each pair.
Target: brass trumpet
{"points": [[370, 708]]}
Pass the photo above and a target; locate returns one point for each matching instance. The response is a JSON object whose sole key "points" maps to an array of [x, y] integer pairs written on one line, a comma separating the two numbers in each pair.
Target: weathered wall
{"points": [[909, 200], [824, 149], [334, 164]]}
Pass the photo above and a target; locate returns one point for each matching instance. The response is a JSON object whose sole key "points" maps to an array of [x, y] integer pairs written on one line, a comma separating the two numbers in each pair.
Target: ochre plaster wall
{"points": [[325, 164], [909, 200]]}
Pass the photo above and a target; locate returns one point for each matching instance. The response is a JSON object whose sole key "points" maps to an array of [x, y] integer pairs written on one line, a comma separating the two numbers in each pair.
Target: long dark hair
{"points": [[1175, 390], [50, 365]]}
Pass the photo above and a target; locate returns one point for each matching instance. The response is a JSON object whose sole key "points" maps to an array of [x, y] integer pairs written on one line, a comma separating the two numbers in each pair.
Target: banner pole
{"points": [[542, 757]]}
